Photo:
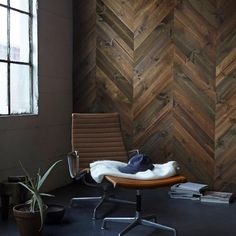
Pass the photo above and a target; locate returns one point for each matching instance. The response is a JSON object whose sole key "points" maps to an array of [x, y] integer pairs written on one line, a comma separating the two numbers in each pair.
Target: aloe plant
{"points": [[33, 185]]}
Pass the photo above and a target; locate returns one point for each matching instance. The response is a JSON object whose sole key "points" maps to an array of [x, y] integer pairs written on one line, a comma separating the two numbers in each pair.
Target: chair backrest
{"points": [[97, 136]]}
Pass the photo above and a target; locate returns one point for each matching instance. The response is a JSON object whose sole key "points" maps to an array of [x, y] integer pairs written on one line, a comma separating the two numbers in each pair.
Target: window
{"points": [[18, 57]]}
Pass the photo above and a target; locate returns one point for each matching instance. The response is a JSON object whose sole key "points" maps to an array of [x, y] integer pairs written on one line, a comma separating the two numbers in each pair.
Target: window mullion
{"points": [[16, 62], [15, 9], [31, 56], [8, 59]]}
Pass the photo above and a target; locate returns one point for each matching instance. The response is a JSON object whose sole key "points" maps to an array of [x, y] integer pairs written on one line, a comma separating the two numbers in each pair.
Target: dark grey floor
{"points": [[190, 218]]}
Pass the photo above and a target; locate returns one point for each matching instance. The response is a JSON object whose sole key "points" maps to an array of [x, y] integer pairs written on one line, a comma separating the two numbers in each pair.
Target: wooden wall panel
{"points": [[168, 67], [84, 69], [194, 89], [114, 67], [225, 136], [153, 78], [134, 70]]}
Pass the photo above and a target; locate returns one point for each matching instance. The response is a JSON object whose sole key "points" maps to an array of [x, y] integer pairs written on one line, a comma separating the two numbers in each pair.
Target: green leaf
{"points": [[27, 187], [28, 202], [28, 175], [33, 204], [46, 175], [40, 205], [38, 178], [46, 195]]}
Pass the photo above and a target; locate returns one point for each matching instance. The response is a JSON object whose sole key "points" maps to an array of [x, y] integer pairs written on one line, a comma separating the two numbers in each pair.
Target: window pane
{"points": [[20, 4], [3, 2], [19, 36], [3, 33], [20, 88], [3, 89]]}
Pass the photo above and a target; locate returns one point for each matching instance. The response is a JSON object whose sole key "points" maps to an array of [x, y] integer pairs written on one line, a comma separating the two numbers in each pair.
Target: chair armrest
{"points": [[73, 164]]}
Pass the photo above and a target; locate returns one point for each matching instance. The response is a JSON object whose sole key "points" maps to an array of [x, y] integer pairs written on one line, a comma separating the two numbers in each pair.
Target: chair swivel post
{"points": [[138, 219]]}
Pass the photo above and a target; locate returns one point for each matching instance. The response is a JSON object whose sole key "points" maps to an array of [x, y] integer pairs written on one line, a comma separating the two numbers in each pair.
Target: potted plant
{"points": [[30, 215]]}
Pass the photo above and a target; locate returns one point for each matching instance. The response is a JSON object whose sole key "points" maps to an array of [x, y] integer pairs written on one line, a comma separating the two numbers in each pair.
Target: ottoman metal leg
{"points": [[137, 220]]}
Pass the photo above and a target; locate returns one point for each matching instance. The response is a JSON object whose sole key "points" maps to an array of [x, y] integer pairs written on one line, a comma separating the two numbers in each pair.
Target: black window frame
{"points": [[10, 61]]}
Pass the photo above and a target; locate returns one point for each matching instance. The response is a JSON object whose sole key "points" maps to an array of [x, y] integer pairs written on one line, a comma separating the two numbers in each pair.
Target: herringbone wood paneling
{"points": [[153, 79], [225, 173], [168, 67], [114, 67], [194, 93], [134, 70], [84, 82]]}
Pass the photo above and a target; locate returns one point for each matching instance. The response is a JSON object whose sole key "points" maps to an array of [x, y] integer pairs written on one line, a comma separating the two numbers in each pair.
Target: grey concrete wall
{"points": [[40, 140]]}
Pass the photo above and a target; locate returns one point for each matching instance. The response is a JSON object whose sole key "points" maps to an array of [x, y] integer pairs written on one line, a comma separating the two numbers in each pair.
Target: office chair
{"points": [[95, 136]]}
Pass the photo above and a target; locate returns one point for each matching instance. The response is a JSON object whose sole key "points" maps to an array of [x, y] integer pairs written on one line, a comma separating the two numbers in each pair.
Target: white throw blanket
{"points": [[99, 169]]}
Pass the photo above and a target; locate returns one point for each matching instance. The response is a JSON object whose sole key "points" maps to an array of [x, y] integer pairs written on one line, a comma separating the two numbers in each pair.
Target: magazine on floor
{"points": [[189, 186], [217, 197], [188, 190]]}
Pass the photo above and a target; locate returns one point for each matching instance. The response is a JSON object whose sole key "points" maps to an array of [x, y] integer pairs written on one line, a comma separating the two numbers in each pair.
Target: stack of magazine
{"points": [[217, 197], [188, 190]]}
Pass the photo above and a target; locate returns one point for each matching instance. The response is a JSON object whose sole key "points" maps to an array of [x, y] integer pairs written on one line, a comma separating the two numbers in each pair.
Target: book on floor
{"points": [[189, 186], [184, 196], [188, 190], [217, 197]]}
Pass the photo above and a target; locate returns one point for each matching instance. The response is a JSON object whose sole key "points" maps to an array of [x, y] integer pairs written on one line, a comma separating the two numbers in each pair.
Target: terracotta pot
{"points": [[27, 222]]}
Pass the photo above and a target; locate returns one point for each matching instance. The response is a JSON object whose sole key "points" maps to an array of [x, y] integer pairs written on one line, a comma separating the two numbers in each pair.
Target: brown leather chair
{"points": [[95, 136]]}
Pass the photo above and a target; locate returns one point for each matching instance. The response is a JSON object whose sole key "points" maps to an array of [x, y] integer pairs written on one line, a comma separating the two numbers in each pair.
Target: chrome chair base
{"points": [[137, 220], [101, 200]]}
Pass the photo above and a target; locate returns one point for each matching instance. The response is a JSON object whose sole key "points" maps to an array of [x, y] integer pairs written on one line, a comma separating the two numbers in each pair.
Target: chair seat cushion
{"points": [[141, 184], [99, 169]]}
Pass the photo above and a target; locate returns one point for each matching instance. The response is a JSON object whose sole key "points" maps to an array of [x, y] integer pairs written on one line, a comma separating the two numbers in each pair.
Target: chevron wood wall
{"points": [[114, 68], [225, 133], [194, 88], [134, 70], [84, 69], [168, 67], [153, 78]]}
